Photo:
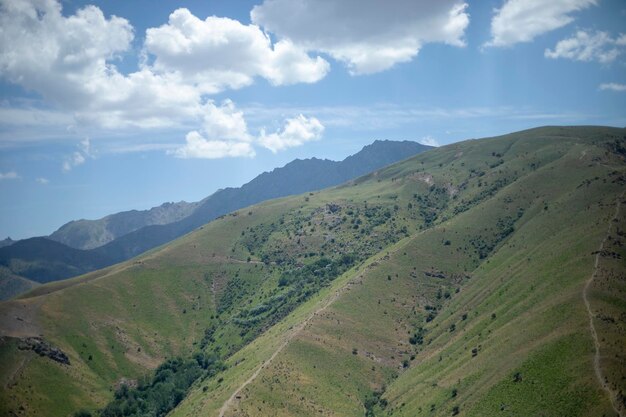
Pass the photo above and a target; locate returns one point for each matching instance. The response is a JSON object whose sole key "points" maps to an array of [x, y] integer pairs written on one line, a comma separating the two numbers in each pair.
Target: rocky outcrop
{"points": [[43, 348]]}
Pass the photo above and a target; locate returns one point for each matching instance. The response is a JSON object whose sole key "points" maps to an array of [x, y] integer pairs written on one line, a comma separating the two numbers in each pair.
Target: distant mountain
{"points": [[6, 242], [89, 234], [12, 285], [44, 260]]}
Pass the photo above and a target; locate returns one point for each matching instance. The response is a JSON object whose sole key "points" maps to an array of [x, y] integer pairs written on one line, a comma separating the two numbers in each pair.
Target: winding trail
{"points": [[10, 379], [294, 331], [596, 358]]}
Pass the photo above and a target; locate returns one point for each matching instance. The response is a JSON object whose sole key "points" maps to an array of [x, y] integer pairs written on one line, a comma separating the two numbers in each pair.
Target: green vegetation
{"points": [[165, 390], [448, 284], [121, 236]]}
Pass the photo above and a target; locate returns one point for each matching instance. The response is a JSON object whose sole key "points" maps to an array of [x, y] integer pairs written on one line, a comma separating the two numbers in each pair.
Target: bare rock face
{"points": [[43, 348]]}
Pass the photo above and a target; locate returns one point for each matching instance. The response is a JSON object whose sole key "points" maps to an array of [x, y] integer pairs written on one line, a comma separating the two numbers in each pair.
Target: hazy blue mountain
{"points": [[43, 260], [6, 242], [12, 285], [298, 176], [89, 234]]}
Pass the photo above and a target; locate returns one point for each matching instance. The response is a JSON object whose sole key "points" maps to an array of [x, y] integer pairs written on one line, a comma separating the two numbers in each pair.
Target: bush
{"points": [[167, 388]]}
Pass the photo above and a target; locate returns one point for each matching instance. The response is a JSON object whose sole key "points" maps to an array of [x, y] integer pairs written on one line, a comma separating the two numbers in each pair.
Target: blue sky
{"points": [[116, 105]]}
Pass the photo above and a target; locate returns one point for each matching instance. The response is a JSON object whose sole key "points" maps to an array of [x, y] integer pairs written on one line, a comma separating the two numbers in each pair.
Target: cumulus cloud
{"points": [[588, 46], [367, 35], [78, 157], [63, 58], [219, 53], [620, 88], [429, 141], [225, 134], [42, 181], [296, 132], [198, 146], [523, 20], [70, 62], [11, 175]]}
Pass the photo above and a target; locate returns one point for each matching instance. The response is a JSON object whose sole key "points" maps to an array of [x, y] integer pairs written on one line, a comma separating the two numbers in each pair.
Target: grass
{"points": [[481, 247]]}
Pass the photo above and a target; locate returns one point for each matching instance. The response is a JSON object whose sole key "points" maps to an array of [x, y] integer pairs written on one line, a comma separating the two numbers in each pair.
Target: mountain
{"points": [[6, 242], [482, 278], [296, 177], [43, 260], [89, 234], [12, 285]]}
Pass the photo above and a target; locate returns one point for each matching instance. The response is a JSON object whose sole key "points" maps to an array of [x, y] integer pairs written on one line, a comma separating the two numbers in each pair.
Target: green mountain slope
{"points": [[449, 284], [514, 339], [43, 259]]}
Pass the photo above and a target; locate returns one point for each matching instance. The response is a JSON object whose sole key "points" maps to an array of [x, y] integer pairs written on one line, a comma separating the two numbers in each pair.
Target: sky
{"points": [[114, 105]]}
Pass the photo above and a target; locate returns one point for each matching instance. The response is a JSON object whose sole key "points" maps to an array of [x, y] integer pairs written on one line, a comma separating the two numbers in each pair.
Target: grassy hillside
{"points": [[46, 259], [449, 284], [12, 285], [499, 328]]}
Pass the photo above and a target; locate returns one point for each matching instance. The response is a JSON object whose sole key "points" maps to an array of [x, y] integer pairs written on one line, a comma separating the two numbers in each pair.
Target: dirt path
{"points": [[228, 259], [12, 376], [293, 332], [596, 358]]}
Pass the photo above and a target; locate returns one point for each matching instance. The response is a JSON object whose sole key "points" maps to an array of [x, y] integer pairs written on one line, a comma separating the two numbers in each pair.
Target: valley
{"points": [[481, 278]]}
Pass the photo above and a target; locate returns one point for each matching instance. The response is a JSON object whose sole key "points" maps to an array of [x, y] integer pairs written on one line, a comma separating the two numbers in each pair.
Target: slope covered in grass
{"points": [[448, 284], [121, 236], [481, 314], [12, 285]]}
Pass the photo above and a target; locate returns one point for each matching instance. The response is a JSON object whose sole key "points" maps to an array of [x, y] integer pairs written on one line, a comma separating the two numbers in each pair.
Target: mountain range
{"points": [[482, 278], [77, 247], [90, 234]]}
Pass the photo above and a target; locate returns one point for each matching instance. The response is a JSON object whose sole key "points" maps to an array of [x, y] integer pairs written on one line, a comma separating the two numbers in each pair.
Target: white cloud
{"points": [[367, 35], [42, 181], [11, 175], [63, 58], [198, 146], [225, 122], [78, 157], [613, 87], [523, 20], [70, 62], [429, 141], [224, 134], [587, 46], [296, 132], [219, 53]]}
